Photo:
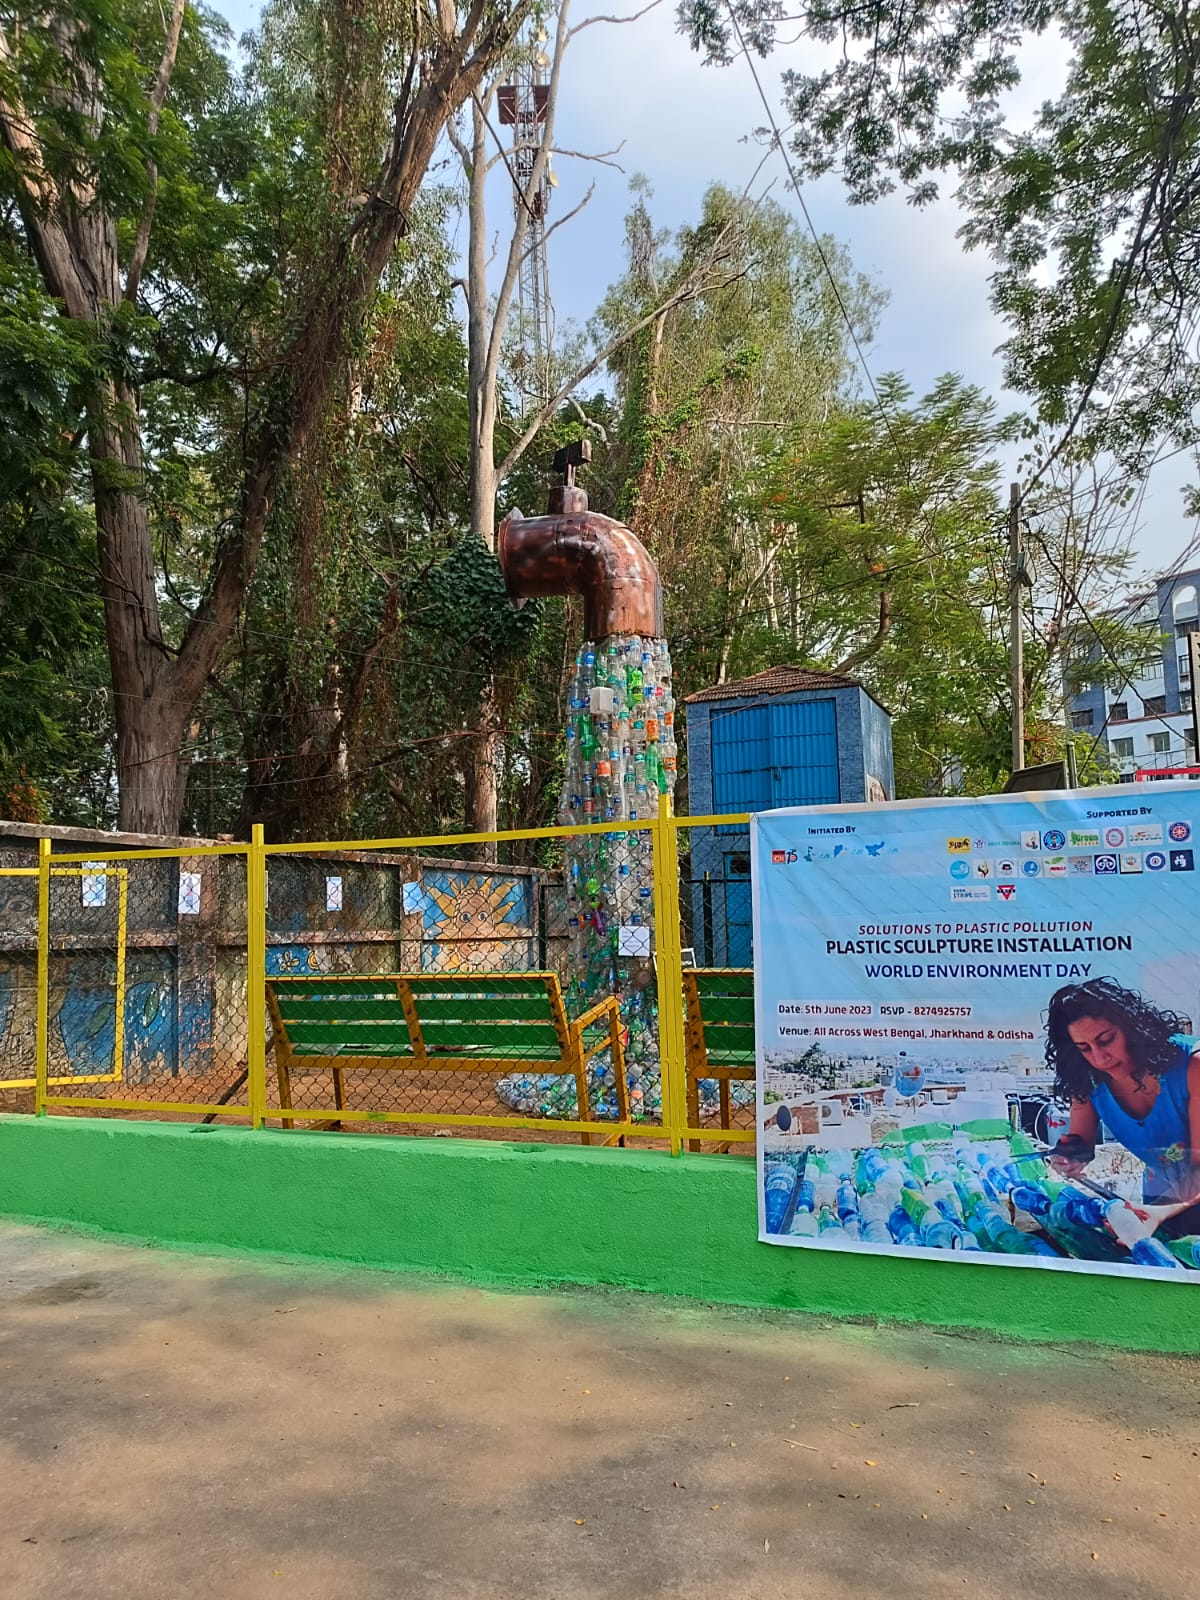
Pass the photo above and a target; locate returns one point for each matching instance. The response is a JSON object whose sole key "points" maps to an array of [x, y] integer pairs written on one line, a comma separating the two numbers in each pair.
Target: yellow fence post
{"points": [[256, 975], [670, 976], [42, 1038]]}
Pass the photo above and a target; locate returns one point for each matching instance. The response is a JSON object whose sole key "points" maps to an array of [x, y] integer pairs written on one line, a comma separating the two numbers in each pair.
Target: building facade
{"points": [[1147, 724]]}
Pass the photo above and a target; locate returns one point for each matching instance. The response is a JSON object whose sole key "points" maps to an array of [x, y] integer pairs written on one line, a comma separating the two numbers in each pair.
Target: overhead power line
{"points": [[777, 140]]}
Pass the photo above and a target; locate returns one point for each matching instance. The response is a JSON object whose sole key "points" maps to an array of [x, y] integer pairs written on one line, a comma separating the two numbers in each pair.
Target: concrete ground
{"points": [[188, 1426]]}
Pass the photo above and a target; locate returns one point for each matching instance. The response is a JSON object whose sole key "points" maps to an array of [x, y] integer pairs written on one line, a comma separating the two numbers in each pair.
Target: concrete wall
{"points": [[534, 1215], [878, 762]]}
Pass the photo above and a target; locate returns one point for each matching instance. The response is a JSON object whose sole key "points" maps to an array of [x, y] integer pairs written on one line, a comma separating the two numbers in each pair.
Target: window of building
{"points": [[1160, 743], [1119, 711], [1188, 625], [1155, 704], [1185, 700], [1122, 747], [1185, 668], [1083, 719]]}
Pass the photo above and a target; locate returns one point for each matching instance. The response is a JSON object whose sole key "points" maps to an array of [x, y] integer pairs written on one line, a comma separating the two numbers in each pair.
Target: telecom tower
{"points": [[523, 105]]}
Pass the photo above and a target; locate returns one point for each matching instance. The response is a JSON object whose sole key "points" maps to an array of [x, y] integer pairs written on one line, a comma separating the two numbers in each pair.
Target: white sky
{"points": [[684, 126]]}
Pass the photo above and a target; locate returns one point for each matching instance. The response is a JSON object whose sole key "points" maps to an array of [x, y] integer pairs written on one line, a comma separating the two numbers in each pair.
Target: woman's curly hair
{"points": [[1148, 1033]]}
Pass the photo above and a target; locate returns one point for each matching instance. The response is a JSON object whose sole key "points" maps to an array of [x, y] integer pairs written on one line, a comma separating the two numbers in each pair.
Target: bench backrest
{"points": [[720, 1012], [498, 1015], [516, 1016], [340, 1016]]}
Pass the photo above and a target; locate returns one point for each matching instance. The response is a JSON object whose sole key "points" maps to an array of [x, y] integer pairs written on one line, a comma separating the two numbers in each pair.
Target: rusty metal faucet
{"points": [[572, 550]]}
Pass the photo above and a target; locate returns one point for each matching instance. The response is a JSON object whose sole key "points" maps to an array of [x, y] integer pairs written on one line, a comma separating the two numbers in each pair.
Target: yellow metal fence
{"points": [[200, 982]]}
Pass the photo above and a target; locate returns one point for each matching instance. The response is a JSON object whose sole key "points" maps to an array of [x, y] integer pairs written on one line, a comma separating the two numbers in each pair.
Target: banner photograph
{"points": [[978, 1028]]}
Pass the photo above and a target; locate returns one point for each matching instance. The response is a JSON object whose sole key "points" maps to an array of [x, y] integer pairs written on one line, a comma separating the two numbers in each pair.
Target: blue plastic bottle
{"points": [[1153, 1253], [1026, 1197], [901, 1227], [777, 1192]]}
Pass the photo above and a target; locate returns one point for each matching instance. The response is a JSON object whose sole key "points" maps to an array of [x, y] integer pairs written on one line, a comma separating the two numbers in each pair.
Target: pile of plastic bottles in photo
{"points": [[621, 756], [947, 1188]]}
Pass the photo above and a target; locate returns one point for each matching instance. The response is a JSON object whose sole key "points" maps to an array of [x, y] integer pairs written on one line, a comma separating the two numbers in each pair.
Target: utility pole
{"points": [[1016, 639], [1193, 641]]}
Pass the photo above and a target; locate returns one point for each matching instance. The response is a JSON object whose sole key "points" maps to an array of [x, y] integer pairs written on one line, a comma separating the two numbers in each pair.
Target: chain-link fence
{"points": [[410, 990], [716, 912], [18, 979], [146, 983], [577, 982]]}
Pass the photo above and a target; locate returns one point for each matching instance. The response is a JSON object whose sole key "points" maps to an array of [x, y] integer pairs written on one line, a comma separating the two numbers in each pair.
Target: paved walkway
{"points": [[183, 1426]]}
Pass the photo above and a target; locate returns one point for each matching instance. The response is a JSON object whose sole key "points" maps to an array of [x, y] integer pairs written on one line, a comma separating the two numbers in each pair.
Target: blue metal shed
{"points": [[789, 736]]}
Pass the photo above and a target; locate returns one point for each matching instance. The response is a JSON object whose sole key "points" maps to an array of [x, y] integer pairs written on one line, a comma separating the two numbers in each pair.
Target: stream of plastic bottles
{"points": [[621, 756]]}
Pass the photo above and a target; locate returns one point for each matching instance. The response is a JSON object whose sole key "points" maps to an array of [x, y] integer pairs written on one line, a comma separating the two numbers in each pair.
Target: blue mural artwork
{"points": [[86, 1025], [441, 918], [305, 961], [291, 961], [195, 1018]]}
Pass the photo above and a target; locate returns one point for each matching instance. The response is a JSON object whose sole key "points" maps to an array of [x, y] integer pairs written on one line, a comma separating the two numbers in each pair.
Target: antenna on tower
{"points": [[523, 105]]}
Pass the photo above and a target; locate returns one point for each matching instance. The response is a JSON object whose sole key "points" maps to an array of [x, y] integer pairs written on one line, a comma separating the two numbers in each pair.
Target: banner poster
{"points": [[978, 1028]]}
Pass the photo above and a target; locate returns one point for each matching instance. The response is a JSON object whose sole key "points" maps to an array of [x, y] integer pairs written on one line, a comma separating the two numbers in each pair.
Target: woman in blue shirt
{"points": [[1120, 1061]]}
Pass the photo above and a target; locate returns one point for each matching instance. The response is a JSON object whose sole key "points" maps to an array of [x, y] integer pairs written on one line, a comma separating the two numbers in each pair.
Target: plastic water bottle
{"points": [[1077, 1209], [873, 1214], [901, 1226], [1034, 1200], [1186, 1249], [942, 1235], [1153, 1253], [777, 1193]]}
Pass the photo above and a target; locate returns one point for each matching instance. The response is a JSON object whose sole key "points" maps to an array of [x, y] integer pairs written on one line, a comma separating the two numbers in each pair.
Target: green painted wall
{"points": [[533, 1215]]}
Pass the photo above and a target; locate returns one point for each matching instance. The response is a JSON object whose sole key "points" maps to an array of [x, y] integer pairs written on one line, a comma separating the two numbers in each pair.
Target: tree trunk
{"points": [[148, 712], [481, 796], [483, 789], [73, 238]]}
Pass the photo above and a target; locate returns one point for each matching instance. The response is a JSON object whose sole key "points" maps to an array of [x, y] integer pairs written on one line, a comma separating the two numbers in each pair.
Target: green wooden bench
{"points": [[718, 1034], [494, 1022]]}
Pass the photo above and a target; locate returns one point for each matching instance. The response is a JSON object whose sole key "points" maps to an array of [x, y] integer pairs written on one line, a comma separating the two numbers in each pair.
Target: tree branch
{"points": [[603, 158], [634, 16], [158, 95], [692, 285], [39, 201], [876, 642], [561, 222]]}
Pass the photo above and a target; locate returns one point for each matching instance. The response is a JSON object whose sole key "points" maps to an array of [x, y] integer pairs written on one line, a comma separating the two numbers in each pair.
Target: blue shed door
{"points": [[804, 753], [741, 758], [778, 754]]}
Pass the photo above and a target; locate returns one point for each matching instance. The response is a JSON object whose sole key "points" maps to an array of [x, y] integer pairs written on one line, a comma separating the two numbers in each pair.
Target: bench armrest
{"points": [[607, 1009], [594, 1013]]}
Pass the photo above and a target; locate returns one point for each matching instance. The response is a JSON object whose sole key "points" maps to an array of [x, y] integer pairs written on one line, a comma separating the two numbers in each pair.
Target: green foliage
{"points": [[1091, 213], [50, 626], [463, 603], [375, 654]]}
